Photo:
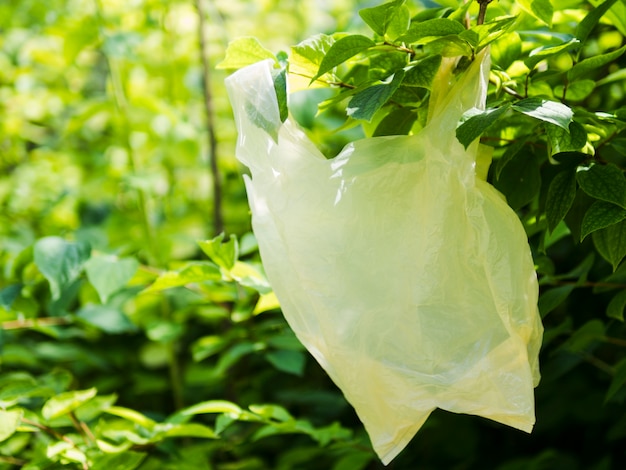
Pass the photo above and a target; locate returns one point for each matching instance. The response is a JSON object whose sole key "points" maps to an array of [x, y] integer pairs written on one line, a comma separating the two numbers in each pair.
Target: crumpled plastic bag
{"points": [[403, 272]]}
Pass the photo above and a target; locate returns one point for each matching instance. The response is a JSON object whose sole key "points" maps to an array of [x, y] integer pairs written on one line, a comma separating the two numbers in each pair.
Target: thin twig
{"points": [[34, 323], [218, 223], [482, 11]]}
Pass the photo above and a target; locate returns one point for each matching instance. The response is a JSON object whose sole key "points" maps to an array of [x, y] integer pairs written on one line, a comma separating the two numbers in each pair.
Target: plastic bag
{"points": [[404, 273]]}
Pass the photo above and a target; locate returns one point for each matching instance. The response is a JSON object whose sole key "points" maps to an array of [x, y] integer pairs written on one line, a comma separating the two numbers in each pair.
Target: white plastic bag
{"points": [[406, 275]]}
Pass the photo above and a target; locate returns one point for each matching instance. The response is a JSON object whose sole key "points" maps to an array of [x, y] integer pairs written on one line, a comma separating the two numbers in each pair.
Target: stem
{"points": [[82, 429], [218, 223], [482, 11], [13, 461], [34, 322]]}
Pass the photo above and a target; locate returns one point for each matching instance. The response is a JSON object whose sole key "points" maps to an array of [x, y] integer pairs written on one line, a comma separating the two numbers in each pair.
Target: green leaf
{"points": [[399, 23], [66, 402], [306, 56], [9, 422], [127, 460], [554, 297], [618, 380], [450, 46], [593, 63], [208, 346], [510, 152], [280, 87], [60, 262], [422, 73], [186, 430], [490, 32], [132, 416], [575, 91], [342, 50], [520, 179], [397, 122], [611, 243], [476, 121], [604, 182], [108, 274], [380, 17], [561, 140], [591, 20], [292, 362], [560, 197], [366, 103], [273, 412], [108, 319], [601, 214], [434, 28], [244, 51], [616, 306], [545, 110], [541, 53], [584, 337], [506, 50], [193, 272], [224, 254], [540, 9]]}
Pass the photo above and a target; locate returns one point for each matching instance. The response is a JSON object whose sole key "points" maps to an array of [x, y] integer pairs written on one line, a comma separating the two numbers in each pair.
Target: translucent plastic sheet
{"points": [[406, 275]]}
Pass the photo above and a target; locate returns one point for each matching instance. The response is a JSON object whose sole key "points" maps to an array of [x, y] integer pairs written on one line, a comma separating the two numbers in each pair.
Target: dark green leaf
{"points": [[244, 51], [618, 381], [422, 73], [561, 140], [520, 180], [380, 17], [600, 215], [280, 87], [604, 182], [510, 152], [9, 294], [66, 402], [560, 197], [476, 121], [611, 243], [366, 103], [60, 262], [398, 122], [616, 306], [108, 319], [593, 63], [292, 362], [342, 50], [108, 274], [436, 27], [541, 53], [584, 337], [554, 297]]}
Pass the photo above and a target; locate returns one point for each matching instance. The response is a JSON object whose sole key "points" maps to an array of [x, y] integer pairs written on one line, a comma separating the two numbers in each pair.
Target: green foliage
{"points": [[134, 338]]}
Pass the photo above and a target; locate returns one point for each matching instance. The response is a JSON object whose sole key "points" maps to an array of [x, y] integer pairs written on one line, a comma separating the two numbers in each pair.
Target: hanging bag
{"points": [[403, 272]]}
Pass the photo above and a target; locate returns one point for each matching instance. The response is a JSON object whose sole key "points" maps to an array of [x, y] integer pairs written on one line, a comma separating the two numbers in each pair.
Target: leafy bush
{"points": [[128, 344]]}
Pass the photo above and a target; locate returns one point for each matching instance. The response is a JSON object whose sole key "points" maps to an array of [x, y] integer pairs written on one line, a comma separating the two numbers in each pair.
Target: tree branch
{"points": [[218, 223]]}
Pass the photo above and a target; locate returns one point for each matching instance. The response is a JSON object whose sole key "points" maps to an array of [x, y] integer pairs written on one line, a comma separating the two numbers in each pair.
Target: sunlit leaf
{"points": [[66, 402], [546, 110], [244, 51], [342, 50], [475, 122]]}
